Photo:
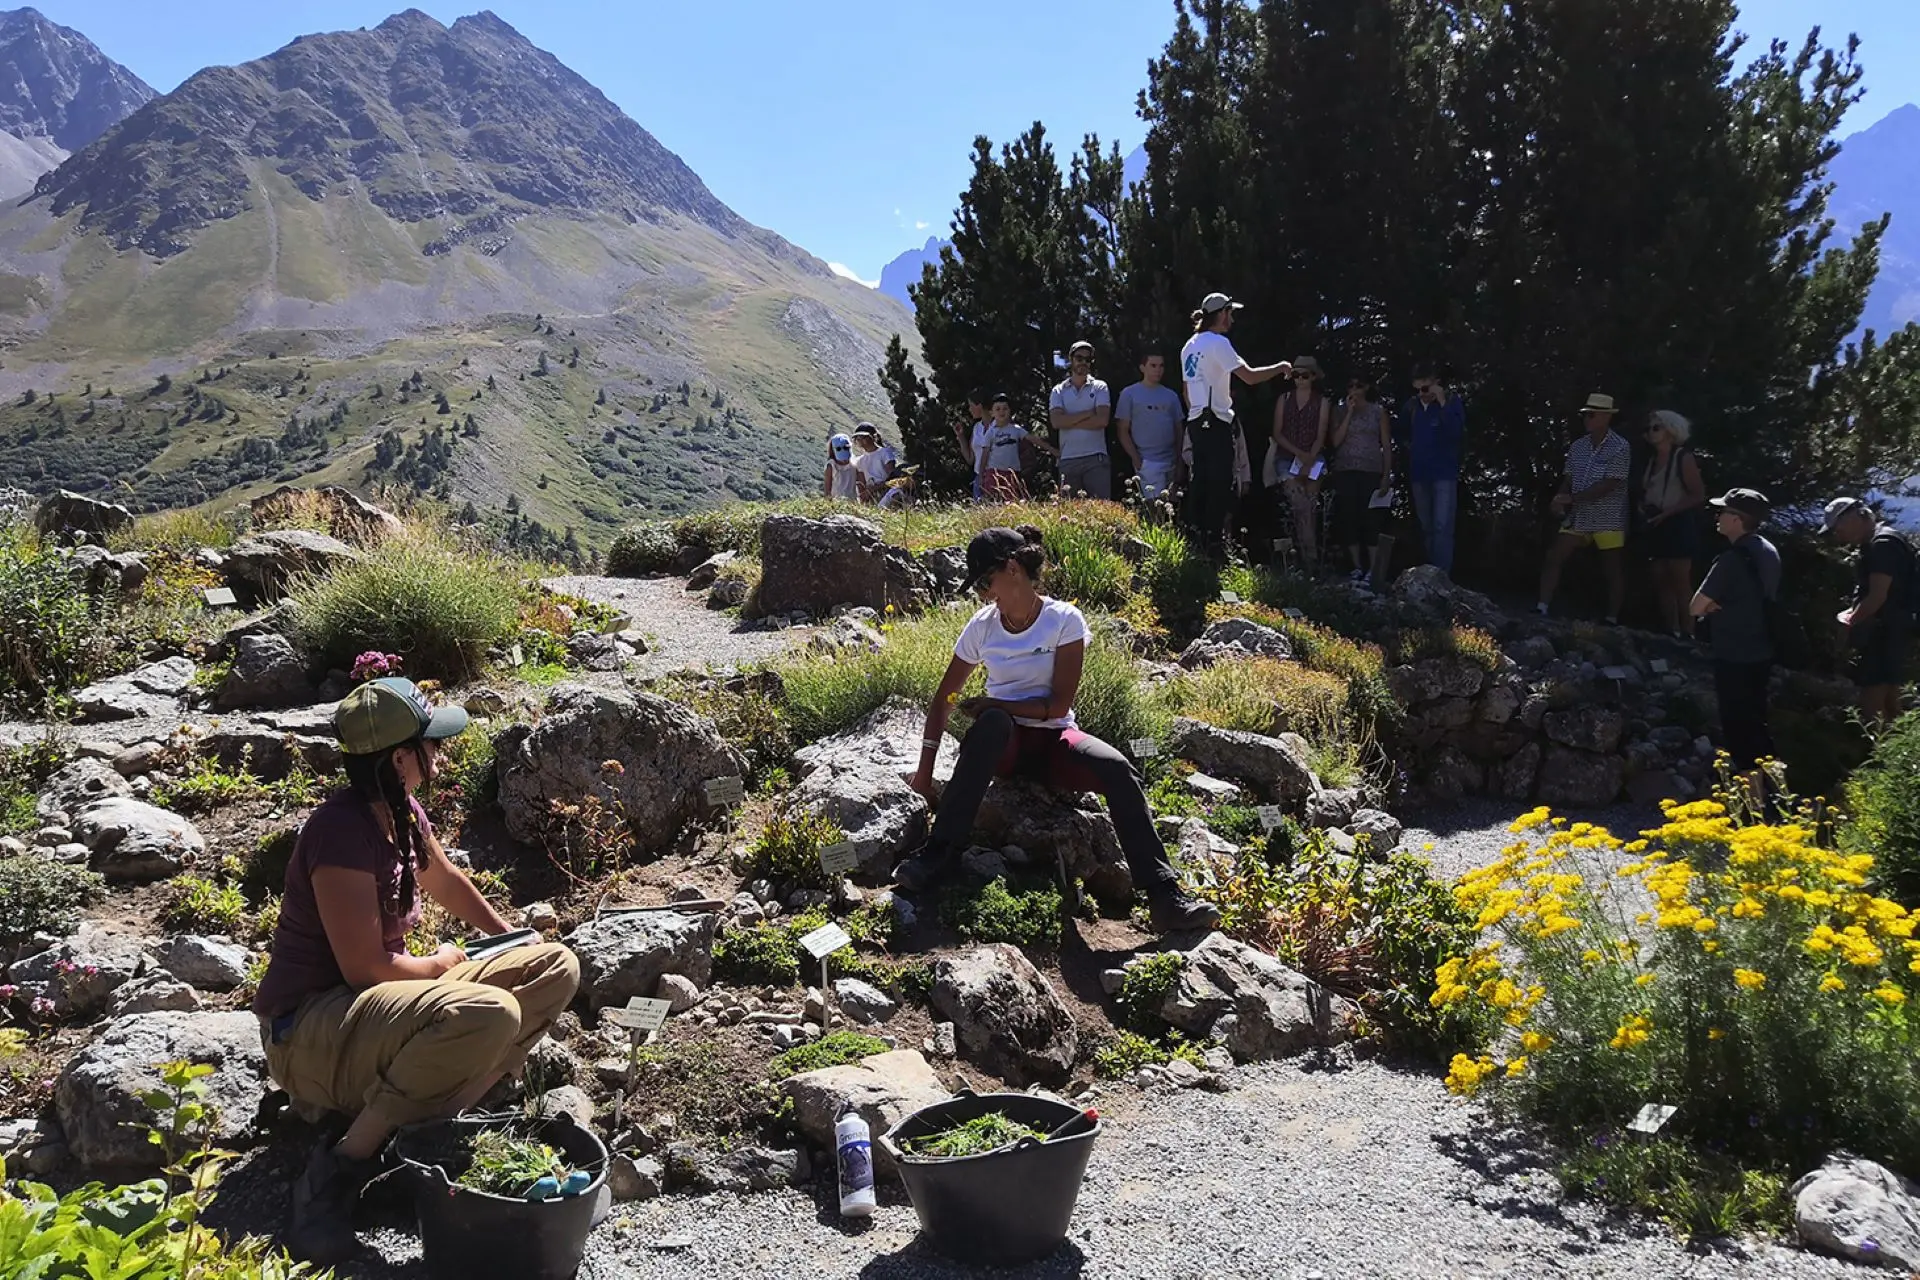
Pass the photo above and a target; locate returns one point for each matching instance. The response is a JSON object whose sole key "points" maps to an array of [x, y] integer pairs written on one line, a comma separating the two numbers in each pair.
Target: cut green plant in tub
{"points": [[988, 1133]]}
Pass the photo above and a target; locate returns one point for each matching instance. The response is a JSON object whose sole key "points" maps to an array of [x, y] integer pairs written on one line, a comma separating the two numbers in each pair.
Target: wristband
{"points": [[930, 742]]}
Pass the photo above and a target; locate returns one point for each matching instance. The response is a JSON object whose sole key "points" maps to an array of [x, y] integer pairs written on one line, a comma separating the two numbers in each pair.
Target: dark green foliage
{"points": [[642, 549], [830, 1050], [49, 642], [39, 896], [1026, 913], [1149, 981], [764, 954], [787, 851], [23, 771], [1883, 810]]}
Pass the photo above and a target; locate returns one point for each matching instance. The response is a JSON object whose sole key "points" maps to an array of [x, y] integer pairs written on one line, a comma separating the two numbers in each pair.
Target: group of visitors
{"points": [[865, 469]]}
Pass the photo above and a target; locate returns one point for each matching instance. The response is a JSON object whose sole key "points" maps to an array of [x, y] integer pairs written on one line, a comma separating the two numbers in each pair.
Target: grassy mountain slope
{"points": [[214, 232]]}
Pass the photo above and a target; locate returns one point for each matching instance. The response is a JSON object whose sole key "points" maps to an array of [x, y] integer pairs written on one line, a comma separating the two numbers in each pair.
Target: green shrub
{"points": [[1083, 567], [1883, 810], [826, 695], [184, 531], [439, 606], [1265, 696], [51, 642], [766, 953], [831, 1050], [642, 549], [1758, 984], [1113, 703], [787, 850], [1129, 1051], [1026, 914], [1144, 990], [24, 770], [265, 868], [198, 905], [1178, 579], [38, 896]]}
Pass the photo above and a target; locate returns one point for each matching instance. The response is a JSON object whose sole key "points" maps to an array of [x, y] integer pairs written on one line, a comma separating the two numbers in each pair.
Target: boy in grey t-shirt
{"points": [[1151, 420]]}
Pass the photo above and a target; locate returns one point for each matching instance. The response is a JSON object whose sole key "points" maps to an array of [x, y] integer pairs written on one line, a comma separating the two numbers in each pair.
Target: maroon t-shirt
{"points": [[341, 833]]}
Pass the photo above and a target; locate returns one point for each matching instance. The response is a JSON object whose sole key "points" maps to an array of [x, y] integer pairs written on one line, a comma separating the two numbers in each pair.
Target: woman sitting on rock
{"points": [[1033, 649], [351, 1022]]}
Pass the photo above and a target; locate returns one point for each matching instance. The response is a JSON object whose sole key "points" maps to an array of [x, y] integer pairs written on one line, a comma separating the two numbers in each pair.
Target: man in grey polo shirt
{"points": [[1151, 423], [1079, 409]]}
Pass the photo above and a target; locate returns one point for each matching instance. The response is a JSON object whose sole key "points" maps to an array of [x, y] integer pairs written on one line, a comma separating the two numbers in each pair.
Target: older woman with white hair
{"points": [[1671, 492]]}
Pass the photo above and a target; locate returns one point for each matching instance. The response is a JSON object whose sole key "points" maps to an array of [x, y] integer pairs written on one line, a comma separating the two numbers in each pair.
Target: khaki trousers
{"points": [[405, 1050]]}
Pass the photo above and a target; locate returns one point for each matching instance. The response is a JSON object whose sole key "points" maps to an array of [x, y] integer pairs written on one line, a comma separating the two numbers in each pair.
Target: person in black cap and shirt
{"points": [[1880, 622], [1033, 648], [1738, 596]]}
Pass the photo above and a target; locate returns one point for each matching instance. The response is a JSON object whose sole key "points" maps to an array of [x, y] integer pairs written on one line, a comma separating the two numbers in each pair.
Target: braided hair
{"points": [[374, 778]]}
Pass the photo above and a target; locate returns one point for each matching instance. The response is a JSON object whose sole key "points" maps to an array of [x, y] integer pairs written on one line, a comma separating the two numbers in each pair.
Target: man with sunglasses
{"points": [[1434, 425], [1078, 411]]}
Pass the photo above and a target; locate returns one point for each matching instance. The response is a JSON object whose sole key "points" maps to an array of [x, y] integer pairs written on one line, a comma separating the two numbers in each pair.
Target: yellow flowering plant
{"points": [[1740, 969]]}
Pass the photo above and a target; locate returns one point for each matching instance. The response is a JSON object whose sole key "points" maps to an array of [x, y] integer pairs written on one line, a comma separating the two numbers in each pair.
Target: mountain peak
{"points": [[470, 125], [56, 84]]}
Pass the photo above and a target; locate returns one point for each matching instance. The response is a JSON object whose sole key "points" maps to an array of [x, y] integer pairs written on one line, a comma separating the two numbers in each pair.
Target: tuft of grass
{"points": [[196, 904], [1129, 1051], [51, 642], [642, 549], [787, 851], [1083, 567], [831, 1050], [826, 695], [183, 531], [1026, 915], [975, 1137], [439, 606]]}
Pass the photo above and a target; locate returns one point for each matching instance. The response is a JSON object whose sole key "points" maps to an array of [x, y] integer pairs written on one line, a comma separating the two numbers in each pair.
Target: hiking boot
{"points": [[321, 1230], [924, 867], [1176, 911]]}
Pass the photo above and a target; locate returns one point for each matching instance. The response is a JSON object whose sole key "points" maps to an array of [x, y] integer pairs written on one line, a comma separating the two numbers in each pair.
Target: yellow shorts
{"points": [[1608, 540]]}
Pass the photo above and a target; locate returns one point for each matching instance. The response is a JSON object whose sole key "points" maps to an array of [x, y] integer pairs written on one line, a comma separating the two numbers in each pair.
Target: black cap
{"points": [[1748, 502], [989, 550]]}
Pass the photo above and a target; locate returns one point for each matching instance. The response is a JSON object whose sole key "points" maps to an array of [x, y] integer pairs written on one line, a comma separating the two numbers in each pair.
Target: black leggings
{"points": [[1066, 759], [1355, 523]]}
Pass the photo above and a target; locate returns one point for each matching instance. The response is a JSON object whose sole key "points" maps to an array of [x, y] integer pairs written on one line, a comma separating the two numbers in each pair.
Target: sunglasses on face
{"points": [[1303, 377]]}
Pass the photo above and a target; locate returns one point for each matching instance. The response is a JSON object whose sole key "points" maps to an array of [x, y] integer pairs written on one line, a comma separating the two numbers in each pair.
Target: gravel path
{"points": [[681, 631]]}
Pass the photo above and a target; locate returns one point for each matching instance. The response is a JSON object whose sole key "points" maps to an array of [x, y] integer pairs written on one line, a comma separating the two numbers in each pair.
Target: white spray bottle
{"points": [[853, 1151]]}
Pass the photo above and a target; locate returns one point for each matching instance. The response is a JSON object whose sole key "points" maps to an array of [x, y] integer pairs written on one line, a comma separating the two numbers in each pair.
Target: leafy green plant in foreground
{"points": [[830, 1050], [504, 1164], [440, 606]]}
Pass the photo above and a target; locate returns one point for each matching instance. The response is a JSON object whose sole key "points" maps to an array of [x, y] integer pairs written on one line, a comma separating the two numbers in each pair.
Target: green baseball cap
{"points": [[384, 713]]}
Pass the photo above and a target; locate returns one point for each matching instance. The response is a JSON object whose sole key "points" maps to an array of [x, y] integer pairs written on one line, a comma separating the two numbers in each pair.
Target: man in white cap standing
{"points": [[1880, 622], [1208, 365]]}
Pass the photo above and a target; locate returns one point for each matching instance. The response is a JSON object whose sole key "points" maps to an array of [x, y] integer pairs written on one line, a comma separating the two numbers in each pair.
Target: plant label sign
{"points": [[1270, 816], [516, 656], [1660, 666], [839, 859], [722, 792], [825, 940], [1616, 673], [220, 597], [1651, 1117], [641, 1014], [1229, 597], [1144, 748], [1293, 613]]}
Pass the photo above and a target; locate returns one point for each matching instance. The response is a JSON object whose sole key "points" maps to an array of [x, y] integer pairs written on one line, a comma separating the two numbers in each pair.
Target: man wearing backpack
{"points": [[1880, 622], [1739, 597]]}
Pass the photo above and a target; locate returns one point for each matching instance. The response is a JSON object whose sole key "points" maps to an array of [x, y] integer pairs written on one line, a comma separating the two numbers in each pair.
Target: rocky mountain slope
{"points": [[58, 93], [366, 220], [1875, 174]]}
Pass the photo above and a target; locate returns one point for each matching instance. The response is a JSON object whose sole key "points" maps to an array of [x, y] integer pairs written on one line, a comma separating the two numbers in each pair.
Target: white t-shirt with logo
{"points": [[1207, 363], [1020, 667], [873, 464]]}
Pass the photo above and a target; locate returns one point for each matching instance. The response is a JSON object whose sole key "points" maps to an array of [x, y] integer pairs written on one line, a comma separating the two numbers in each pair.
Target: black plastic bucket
{"points": [[1007, 1206], [466, 1233]]}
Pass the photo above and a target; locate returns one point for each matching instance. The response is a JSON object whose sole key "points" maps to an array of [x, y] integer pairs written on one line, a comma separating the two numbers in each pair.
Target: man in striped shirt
{"points": [[1592, 504]]}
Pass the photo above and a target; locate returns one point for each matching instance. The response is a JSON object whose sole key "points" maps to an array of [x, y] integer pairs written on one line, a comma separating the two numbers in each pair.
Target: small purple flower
{"points": [[7, 990], [64, 966], [42, 1007], [91, 970], [1599, 1184]]}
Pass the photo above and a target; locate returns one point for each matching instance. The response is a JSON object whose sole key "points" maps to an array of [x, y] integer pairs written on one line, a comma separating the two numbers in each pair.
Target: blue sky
{"points": [[845, 125]]}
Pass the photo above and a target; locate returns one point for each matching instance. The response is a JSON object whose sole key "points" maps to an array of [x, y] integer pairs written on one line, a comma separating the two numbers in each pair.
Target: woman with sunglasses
{"points": [[351, 1022], [1362, 472], [841, 481], [1671, 491], [1034, 649], [1299, 437]]}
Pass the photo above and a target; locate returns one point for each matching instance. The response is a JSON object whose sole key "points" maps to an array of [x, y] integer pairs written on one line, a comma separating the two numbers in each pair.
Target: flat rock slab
{"points": [[885, 1089], [150, 692]]}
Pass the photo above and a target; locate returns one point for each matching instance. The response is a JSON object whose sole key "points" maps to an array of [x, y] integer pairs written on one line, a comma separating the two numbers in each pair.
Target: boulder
{"points": [[74, 517], [1499, 704], [1278, 766], [566, 1100], [139, 759], [98, 1095], [592, 651], [1008, 1017], [729, 593], [691, 1166], [1579, 779], [636, 1177], [1333, 806], [261, 567], [947, 568], [348, 515], [1427, 587], [212, 964], [154, 993], [863, 1002], [76, 785], [1382, 830], [99, 571], [679, 991], [1252, 1002], [661, 753], [1532, 652], [622, 956], [1231, 639], [1586, 728], [132, 840], [859, 779], [1859, 1210], [1052, 826], [80, 974], [266, 672], [846, 635], [1513, 778], [1451, 773], [813, 565], [885, 1089], [268, 751], [153, 690], [707, 570], [33, 1146], [1430, 678]]}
